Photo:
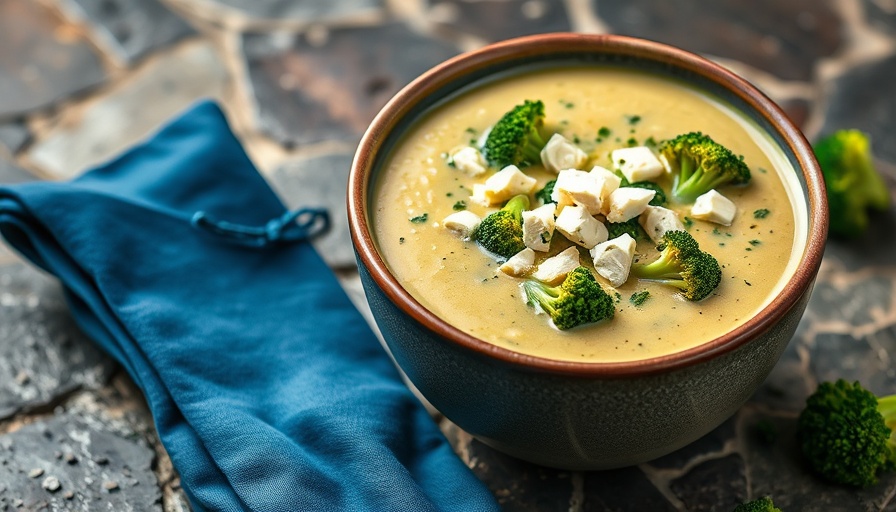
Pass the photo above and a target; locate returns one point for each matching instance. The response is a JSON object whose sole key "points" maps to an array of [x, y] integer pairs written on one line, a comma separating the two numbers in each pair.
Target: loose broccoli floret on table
{"points": [[845, 433], [683, 265], [578, 300], [853, 185], [516, 139], [501, 232], [761, 505], [659, 198], [700, 164]]}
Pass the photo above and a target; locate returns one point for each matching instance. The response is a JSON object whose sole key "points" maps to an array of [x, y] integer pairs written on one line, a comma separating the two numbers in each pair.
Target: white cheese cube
{"points": [[462, 224], [479, 196], [613, 258], [637, 163], [504, 184], [580, 227], [519, 264], [538, 227], [611, 180], [469, 160], [714, 207], [580, 188], [657, 220], [560, 153], [554, 269], [628, 202]]}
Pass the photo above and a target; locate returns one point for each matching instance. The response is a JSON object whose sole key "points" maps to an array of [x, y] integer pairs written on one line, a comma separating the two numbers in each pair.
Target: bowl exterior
{"points": [[580, 423]]}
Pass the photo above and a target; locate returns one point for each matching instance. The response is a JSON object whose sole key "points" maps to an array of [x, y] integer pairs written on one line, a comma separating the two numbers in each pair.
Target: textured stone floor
{"points": [[80, 80]]}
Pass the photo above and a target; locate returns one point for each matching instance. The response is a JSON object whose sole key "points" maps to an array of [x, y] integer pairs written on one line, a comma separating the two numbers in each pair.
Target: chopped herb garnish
{"points": [[545, 237], [449, 194], [650, 141], [419, 219], [716, 231], [471, 130], [747, 283], [401, 240], [763, 171], [576, 139], [639, 298], [761, 213], [755, 242], [460, 205], [632, 142], [604, 132], [633, 119], [688, 222]]}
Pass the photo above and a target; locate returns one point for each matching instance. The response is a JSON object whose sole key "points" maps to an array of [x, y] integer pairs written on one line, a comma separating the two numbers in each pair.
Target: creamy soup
{"points": [[601, 109]]}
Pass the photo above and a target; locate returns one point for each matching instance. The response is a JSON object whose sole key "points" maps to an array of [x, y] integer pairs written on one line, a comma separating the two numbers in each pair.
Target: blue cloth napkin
{"points": [[267, 387]]}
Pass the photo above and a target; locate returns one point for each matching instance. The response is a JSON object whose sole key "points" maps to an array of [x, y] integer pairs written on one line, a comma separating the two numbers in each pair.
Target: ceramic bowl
{"points": [[577, 415]]}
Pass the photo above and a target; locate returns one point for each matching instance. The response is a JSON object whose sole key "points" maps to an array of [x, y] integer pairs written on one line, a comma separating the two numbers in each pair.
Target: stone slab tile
{"points": [[863, 99], [133, 111], [131, 28], [783, 38], [621, 490], [43, 355], [68, 464], [321, 182], [332, 89], [13, 136], [41, 59], [881, 14], [779, 470], [12, 173], [518, 486], [494, 20], [299, 10], [716, 484]]}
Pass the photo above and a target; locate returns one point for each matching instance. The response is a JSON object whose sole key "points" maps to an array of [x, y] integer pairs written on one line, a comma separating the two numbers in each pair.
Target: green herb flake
{"points": [[761, 213], [460, 205], [650, 142], [471, 130], [716, 231], [688, 222], [419, 219], [755, 242], [633, 119], [448, 194], [401, 240], [604, 132], [763, 171], [632, 142], [638, 298]]}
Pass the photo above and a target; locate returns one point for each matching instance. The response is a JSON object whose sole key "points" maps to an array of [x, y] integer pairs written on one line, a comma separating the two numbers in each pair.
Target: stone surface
{"points": [[622, 490], [120, 119], [12, 173], [494, 20], [320, 182], [42, 60], [716, 484], [300, 10], [43, 356], [103, 455], [858, 100], [13, 136], [881, 14], [331, 89], [131, 28], [783, 38]]}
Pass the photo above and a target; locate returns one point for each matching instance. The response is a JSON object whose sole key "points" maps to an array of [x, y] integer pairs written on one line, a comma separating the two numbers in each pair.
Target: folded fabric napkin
{"points": [[267, 387]]}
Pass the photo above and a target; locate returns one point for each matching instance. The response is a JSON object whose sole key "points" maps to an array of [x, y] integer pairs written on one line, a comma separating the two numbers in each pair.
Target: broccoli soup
{"points": [[607, 129]]}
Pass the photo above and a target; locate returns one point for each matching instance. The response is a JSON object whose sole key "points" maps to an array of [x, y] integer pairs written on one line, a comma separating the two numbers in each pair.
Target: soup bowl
{"points": [[570, 414]]}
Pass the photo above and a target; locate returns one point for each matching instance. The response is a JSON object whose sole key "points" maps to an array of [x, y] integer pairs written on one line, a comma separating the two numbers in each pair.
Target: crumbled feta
{"points": [[586, 189], [714, 207], [560, 153], [637, 163], [555, 268], [519, 264], [657, 220], [538, 227], [469, 160], [580, 227], [613, 258], [462, 224], [503, 185], [628, 202]]}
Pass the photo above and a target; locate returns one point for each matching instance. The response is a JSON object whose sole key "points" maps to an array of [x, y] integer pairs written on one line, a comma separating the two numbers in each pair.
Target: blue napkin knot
{"points": [[301, 224]]}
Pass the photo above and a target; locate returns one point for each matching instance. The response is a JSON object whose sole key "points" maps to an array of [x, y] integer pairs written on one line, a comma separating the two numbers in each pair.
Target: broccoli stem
{"points": [[886, 406], [666, 266], [543, 295], [534, 144]]}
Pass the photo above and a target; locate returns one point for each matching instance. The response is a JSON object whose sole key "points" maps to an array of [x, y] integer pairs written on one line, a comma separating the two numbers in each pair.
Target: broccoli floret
{"points": [[845, 433], [659, 199], [501, 232], [853, 185], [578, 300], [631, 226], [683, 265], [545, 193], [761, 505], [515, 139], [701, 164]]}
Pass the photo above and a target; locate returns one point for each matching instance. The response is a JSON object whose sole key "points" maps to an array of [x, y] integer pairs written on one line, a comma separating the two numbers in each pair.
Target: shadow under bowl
{"points": [[580, 415]]}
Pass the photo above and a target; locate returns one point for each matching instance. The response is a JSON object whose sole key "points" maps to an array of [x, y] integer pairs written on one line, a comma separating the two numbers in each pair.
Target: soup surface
{"points": [[601, 109]]}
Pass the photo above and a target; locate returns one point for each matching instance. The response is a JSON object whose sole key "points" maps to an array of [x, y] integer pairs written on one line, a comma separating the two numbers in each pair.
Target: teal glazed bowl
{"points": [[577, 415]]}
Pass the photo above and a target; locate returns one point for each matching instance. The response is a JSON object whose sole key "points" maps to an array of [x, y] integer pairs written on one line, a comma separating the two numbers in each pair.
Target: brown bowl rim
{"points": [[570, 43]]}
